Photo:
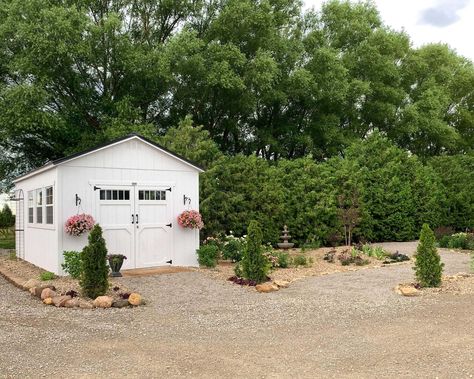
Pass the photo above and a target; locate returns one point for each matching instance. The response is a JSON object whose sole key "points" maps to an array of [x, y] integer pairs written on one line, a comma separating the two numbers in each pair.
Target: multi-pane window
{"points": [[49, 205], [114, 194], [151, 195], [31, 207], [39, 206]]}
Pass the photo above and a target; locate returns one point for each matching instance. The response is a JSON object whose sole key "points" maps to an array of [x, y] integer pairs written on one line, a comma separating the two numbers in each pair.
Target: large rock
{"points": [[266, 287], [37, 291], [281, 283], [103, 302], [31, 283], [72, 303], [135, 299], [48, 301], [47, 292], [120, 303], [407, 290], [60, 301]]}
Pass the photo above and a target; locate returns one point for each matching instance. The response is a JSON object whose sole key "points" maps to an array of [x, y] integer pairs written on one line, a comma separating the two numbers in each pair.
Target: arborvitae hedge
{"points": [[397, 194]]}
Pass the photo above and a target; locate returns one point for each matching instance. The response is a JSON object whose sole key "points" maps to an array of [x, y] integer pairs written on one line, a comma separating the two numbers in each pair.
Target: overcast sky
{"points": [[447, 21]]}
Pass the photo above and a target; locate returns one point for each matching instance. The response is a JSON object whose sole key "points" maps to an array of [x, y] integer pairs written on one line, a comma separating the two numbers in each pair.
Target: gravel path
{"points": [[338, 326]]}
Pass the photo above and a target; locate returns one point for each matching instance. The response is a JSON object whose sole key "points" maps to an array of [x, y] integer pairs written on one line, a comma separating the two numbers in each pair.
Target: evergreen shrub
{"points": [[94, 280]]}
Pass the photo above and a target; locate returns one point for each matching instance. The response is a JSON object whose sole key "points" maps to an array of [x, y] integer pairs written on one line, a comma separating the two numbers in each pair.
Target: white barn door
{"points": [[137, 222], [154, 241]]}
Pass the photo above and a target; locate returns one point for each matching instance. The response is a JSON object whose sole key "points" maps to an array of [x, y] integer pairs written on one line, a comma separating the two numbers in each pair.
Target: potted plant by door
{"points": [[115, 263]]}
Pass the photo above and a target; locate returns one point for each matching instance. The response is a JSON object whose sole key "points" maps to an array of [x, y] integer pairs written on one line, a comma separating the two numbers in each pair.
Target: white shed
{"points": [[134, 189]]}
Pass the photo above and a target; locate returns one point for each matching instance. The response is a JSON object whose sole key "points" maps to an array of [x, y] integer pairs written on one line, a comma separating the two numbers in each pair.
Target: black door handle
{"points": [[136, 215], [133, 219]]}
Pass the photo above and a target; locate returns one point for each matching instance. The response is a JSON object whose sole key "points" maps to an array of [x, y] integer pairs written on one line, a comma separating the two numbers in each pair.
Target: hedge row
{"points": [[395, 193]]}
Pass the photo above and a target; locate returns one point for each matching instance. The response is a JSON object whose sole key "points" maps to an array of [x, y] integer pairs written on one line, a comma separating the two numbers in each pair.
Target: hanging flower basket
{"points": [[191, 220], [79, 224]]}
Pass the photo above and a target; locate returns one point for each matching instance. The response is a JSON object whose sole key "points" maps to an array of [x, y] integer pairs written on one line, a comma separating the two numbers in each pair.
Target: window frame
{"points": [[33, 204]]}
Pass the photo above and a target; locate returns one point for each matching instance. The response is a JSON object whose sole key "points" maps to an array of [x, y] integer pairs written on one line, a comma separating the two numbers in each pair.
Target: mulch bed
{"points": [[17, 271], [319, 267]]}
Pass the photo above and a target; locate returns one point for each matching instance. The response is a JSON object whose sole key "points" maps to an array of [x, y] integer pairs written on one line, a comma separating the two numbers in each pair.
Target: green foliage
{"points": [[7, 219], [94, 279], [456, 174], [263, 78], [464, 241], [283, 260], [7, 238], [233, 248], [46, 275], [374, 251], [72, 263], [254, 264], [395, 194], [299, 260], [208, 255], [12, 256], [428, 265]]}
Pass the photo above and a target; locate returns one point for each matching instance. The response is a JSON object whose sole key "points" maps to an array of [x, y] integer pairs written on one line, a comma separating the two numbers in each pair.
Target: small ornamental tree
{"points": [[428, 264], [254, 263], [94, 281]]}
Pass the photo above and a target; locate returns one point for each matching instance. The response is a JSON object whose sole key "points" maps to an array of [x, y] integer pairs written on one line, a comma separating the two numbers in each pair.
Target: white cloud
{"points": [[410, 15]]}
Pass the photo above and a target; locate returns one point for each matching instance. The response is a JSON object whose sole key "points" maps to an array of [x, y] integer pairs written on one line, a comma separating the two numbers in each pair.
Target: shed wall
{"points": [[41, 241]]}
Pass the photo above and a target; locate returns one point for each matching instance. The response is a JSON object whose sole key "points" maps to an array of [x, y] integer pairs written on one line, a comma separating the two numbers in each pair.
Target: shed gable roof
{"points": [[51, 164]]}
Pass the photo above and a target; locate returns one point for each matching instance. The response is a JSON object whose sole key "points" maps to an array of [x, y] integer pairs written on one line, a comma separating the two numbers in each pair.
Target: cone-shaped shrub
{"points": [[94, 279], [428, 266], [254, 263]]}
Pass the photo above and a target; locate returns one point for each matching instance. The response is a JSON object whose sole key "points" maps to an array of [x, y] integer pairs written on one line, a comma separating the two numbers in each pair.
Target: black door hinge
{"points": [[170, 261], [170, 225]]}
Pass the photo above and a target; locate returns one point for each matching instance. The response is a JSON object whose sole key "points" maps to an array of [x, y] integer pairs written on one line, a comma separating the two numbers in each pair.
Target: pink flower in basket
{"points": [[79, 224], [190, 219]]}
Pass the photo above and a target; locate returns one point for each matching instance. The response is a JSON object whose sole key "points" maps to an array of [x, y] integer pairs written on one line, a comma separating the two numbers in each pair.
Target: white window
{"points": [[114, 194], [39, 206], [151, 195], [49, 205], [31, 203]]}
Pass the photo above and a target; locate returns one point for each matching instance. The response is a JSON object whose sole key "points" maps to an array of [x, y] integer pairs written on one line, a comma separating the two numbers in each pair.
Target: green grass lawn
{"points": [[7, 239]]}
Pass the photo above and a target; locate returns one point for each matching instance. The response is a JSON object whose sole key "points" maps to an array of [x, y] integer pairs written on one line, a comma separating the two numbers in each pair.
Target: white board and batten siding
{"points": [[135, 191]]}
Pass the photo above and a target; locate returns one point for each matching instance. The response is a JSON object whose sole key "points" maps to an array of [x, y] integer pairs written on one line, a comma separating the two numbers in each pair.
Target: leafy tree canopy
{"points": [[262, 77]]}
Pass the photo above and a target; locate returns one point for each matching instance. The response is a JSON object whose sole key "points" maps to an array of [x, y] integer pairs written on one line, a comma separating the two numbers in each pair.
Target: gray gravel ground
{"points": [[337, 326]]}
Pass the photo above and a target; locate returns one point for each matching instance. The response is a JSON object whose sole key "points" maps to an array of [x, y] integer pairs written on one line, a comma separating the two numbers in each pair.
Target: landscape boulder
{"points": [[47, 292], [37, 291], [71, 303], [407, 290], [266, 287], [103, 302], [60, 301], [120, 303], [135, 299], [48, 301]]}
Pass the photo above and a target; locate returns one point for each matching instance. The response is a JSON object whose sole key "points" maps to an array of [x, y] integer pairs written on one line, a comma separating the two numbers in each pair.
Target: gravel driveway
{"points": [[342, 325]]}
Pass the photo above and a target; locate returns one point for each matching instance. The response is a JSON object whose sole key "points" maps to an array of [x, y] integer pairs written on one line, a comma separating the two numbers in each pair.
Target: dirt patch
{"points": [[318, 267]]}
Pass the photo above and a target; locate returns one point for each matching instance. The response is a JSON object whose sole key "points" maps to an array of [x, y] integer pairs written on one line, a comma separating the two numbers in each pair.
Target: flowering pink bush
{"points": [[79, 224], [190, 219]]}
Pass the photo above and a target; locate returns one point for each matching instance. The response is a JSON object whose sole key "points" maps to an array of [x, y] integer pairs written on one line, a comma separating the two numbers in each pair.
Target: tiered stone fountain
{"points": [[285, 237]]}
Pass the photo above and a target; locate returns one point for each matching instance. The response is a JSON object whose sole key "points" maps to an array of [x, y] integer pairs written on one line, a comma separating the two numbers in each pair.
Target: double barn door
{"points": [[137, 222]]}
